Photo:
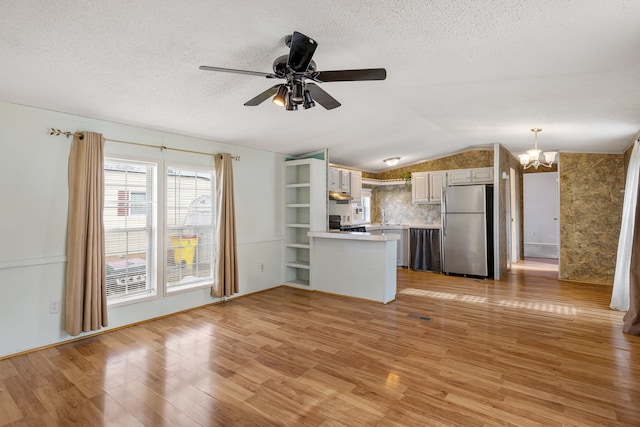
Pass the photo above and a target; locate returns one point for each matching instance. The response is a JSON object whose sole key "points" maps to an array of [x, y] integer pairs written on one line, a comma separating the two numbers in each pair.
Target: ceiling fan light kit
{"points": [[296, 68], [308, 101], [280, 99], [532, 157]]}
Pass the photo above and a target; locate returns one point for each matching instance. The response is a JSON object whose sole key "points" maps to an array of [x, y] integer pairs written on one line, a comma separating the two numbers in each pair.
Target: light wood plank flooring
{"points": [[528, 350]]}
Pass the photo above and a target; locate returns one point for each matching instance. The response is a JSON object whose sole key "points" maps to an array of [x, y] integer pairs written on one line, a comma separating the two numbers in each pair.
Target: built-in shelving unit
{"points": [[305, 210]]}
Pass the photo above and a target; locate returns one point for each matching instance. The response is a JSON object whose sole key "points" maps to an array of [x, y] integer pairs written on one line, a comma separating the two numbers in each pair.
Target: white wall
{"points": [[33, 218], [540, 214]]}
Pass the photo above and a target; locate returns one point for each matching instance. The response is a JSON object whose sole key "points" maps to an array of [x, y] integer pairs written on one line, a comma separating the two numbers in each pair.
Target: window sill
{"points": [[179, 289], [132, 300]]}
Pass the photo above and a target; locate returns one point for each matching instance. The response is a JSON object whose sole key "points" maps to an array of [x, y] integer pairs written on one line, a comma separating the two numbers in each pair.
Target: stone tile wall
{"points": [[465, 160], [590, 215]]}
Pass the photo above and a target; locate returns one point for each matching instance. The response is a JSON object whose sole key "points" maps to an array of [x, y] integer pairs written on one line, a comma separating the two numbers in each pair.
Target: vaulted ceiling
{"points": [[461, 73]]}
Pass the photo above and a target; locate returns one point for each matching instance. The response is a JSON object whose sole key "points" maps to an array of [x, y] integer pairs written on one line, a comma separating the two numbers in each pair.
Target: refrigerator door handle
{"points": [[444, 214], [444, 200], [444, 226]]}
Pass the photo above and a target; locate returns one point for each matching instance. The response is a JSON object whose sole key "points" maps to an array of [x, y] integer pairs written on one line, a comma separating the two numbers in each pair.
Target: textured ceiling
{"points": [[461, 74]]}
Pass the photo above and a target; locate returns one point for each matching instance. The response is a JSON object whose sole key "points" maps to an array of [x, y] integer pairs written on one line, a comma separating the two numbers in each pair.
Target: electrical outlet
{"points": [[54, 306], [262, 268]]}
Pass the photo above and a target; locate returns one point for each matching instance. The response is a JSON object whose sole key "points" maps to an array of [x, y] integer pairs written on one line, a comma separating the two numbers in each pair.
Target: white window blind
{"points": [[129, 218], [189, 227]]}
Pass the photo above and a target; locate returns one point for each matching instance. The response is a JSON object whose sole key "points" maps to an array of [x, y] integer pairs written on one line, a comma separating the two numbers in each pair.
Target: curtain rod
{"points": [[57, 132]]}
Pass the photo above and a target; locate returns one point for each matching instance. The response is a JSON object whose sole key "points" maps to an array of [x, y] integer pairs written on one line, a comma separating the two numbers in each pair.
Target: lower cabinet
{"points": [[425, 249], [402, 245]]}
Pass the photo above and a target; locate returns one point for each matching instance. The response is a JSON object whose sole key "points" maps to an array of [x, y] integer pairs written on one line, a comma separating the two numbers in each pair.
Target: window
{"points": [[131, 202], [129, 219], [366, 204], [189, 228]]}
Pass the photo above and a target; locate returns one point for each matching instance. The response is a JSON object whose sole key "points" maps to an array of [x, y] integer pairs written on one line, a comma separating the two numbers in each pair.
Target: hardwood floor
{"points": [[528, 350]]}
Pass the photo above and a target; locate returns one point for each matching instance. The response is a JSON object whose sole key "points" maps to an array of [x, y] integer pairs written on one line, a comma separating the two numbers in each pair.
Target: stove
{"points": [[334, 224]]}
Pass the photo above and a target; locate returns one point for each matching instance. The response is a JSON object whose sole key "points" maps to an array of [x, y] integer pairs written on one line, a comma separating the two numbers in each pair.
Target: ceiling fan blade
{"points": [[262, 97], [301, 52], [322, 97], [350, 75], [231, 70]]}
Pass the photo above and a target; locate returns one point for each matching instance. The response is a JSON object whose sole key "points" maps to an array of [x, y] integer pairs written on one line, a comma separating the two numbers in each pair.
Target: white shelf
{"points": [[298, 245], [298, 264], [305, 204], [373, 181], [298, 282]]}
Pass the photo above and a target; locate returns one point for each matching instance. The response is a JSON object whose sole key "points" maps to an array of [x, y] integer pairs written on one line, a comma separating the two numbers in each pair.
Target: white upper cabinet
{"points": [[459, 177], [482, 176], [345, 181], [333, 178], [356, 185], [426, 187], [420, 187], [340, 180], [470, 176], [437, 180]]}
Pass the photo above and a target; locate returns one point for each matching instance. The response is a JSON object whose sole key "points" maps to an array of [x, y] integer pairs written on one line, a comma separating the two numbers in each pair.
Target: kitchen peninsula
{"points": [[360, 265]]}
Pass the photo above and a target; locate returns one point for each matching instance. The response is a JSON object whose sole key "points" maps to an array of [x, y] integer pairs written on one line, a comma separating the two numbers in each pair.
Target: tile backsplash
{"points": [[397, 205], [399, 208], [341, 209]]}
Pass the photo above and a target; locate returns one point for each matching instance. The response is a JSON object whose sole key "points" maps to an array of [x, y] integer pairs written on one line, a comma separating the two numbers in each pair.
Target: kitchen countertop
{"points": [[377, 226], [353, 235]]}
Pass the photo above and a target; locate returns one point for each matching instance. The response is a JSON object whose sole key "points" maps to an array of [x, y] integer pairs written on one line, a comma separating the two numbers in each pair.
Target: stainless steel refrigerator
{"points": [[467, 230]]}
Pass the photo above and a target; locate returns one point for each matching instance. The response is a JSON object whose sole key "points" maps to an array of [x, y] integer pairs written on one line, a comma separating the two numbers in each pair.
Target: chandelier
{"points": [[532, 157]]}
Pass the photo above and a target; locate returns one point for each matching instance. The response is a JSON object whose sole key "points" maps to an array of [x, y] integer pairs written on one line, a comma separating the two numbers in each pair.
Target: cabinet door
{"points": [[459, 176], [420, 187], [437, 180], [399, 245], [482, 176], [345, 181], [333, 179], [356, 185]]}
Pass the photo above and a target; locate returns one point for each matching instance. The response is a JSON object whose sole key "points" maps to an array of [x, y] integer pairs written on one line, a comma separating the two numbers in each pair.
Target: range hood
{"points": [[336, 195]]}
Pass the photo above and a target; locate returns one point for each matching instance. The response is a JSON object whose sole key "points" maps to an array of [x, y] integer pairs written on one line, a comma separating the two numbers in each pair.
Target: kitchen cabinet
{"points": [[402, 248], [437, 180], [426, 187], [305, 210], [356, 185], [470, 176], [482, 176], [420, 187], [339, 180]]}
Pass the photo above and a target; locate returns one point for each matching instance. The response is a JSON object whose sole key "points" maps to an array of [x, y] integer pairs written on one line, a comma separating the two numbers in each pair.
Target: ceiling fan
{"points": [[299, 71]]}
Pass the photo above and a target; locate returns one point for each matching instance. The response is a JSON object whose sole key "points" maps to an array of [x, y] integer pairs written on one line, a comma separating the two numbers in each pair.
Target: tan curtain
{"points": [[632, 317], [226, 263], [86, 299]]}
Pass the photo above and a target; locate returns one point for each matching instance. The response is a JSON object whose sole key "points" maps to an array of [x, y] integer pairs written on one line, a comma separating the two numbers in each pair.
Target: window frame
{"points": [[202, 284], [151, 270], [158, 246]]}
